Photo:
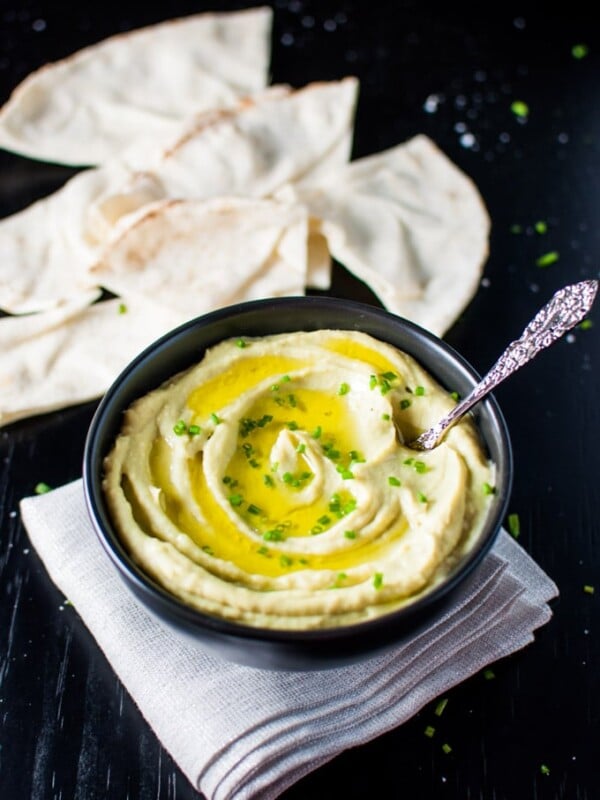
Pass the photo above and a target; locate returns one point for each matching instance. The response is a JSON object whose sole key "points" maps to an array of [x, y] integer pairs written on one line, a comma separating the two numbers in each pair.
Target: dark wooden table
{"points": [[67, 727]]}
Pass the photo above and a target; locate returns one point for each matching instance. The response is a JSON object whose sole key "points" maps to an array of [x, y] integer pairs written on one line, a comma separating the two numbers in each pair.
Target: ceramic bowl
{"points": [[185, 346]]}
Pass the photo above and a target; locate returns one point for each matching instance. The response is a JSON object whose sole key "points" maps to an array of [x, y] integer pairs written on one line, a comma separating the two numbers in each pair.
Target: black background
{"points": [[67, 727]]}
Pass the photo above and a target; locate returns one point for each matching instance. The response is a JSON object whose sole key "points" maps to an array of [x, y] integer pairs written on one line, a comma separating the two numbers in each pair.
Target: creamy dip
{"points": [[269, 484]]}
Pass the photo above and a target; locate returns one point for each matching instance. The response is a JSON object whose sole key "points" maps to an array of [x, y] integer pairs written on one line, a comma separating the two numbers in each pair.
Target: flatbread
{"points": [[200, 255], [410, 224], [179, 260], [73, 353], [250, 151], [87, 107]]}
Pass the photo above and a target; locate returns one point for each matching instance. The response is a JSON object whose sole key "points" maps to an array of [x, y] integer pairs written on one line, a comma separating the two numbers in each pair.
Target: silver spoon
{"points": [[566, 308]]}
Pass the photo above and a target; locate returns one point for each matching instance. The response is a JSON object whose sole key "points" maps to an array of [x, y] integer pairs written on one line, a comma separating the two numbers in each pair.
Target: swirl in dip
{"points": [[269, 484]]}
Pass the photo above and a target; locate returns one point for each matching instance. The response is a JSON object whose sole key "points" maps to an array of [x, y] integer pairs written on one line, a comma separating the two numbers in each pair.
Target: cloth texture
{"points": [[237, 732]]}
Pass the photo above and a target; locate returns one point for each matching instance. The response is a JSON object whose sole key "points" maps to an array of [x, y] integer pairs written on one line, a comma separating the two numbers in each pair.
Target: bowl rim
{"points": [[193, 618]]}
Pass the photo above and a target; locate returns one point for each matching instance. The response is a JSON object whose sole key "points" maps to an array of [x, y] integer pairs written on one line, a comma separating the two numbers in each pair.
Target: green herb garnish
{"points": [[344, 388], [439, 709], [274, 535], [350, 534], [579, 51], [514, 525], [42, 488], [547, 259], [488, 488], [519, 109], [378, 580], [180, 427], [393, 481]]}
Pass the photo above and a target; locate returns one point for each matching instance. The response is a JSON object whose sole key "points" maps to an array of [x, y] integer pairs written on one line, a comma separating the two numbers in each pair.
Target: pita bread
{"points": [[253, 150], [199, 255], [195, 256], [409, 224], [73, 353], [87, 107]]}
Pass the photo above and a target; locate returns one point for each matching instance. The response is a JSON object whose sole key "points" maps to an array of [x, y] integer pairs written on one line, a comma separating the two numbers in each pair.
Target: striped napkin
{"points": [[236, 735]]}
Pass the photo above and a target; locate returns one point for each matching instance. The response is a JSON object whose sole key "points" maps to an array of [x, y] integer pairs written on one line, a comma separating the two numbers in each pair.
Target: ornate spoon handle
{"points": [[566, 308]]}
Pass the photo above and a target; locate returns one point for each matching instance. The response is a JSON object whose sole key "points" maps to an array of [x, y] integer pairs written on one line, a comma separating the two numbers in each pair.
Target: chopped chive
{"points": [[378, 580], [422, 498], [275, 387], [372, 381], [579, 51], [252, 509], [344, 388], [316, 529], [439, 709], [346, 474], [215, 418], [180, 427], [285, 561], [540, 227], [516, 228], [514, 525], [316, 434], [420, 467], [292, 400], [446, 748], [357, 457], [350, 534], [519, 109], [547, 259], [301, 448], [273, 535], [268, 480], [419, 391], [393, 481], [544, 769], [429, 731], [263, 551], [384, 386], [194, 430], [455, 396], [488, 488], [236, 499], [585, 325], [285, 379], [588, 589], [208, 550], [389, 376], [42, 488], [324, 520], [489, 674], [122, 308], [409, 461], [385, 417], [292, 425], [240, 343]]}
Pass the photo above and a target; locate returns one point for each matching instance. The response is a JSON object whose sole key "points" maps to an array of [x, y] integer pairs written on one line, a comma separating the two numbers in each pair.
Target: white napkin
{"points": [[238, 732]]}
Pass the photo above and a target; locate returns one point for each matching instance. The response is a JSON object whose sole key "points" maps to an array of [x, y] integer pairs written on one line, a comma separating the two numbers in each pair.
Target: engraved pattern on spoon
{"points": [[566, 309]]}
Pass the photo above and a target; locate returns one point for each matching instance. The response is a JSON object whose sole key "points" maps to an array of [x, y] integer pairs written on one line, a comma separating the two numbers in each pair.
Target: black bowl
{"points": [[185, 346]]}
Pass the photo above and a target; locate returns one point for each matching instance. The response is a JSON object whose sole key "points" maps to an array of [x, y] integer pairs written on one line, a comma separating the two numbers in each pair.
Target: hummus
{"points": [[269, 484]]}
